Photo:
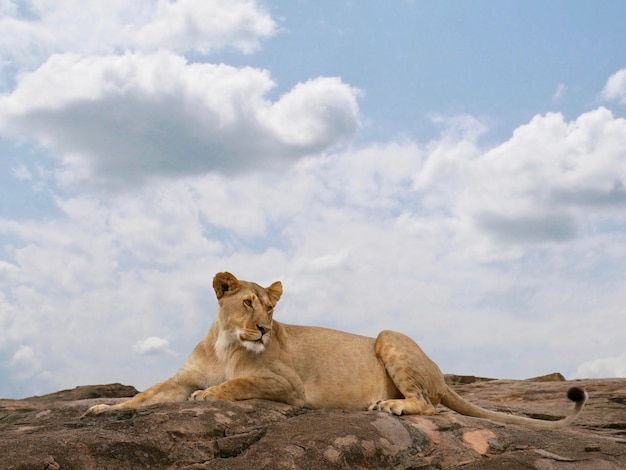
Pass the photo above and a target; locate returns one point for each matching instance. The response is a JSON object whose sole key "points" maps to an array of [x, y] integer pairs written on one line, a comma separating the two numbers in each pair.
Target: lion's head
{"points": [[245, 313]]}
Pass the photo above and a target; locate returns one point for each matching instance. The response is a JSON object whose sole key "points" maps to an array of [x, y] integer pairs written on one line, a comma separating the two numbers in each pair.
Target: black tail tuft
{"points": [[576, 394]]}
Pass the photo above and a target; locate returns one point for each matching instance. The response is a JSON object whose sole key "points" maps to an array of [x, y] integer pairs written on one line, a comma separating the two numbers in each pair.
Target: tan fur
{"points": [[246, 354]]}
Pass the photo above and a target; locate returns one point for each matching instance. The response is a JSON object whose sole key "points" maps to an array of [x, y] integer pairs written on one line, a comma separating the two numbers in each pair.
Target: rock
{"points": [[553, 377], [452, 379], [50, 432]]}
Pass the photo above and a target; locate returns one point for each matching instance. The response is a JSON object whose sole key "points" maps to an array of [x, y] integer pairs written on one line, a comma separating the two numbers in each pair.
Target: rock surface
{"points": [[50, 432]]}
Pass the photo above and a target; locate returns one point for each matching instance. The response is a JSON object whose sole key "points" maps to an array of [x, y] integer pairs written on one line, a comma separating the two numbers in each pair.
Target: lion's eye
{"points": [[248, 303], [270, 308]]}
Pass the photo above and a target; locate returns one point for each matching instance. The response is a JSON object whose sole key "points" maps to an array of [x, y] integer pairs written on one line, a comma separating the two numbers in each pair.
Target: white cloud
{"points": [[8, 8], [22, 173], [481, 254], [24, 354], [315, 114], [614, 366], [160, 226], [35, 30], [24, 363], [152, 345], [7, 270], [205, 25], [133, 116], [561, 89], [615, 88], [539, 185]]}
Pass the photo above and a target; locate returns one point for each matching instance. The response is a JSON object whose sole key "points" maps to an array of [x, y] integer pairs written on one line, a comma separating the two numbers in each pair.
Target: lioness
{"points": [[246, 354]]}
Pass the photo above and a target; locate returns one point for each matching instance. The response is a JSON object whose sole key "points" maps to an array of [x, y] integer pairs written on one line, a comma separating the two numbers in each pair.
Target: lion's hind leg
{"points": [[405, 406], [414, 374]]}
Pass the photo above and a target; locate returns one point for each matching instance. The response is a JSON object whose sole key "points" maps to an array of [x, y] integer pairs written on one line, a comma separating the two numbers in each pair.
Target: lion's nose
{"points": [[263, 329]]}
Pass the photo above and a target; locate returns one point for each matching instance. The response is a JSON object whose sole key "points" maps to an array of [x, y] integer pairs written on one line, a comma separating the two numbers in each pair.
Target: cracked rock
{"points": [[50, 432]]}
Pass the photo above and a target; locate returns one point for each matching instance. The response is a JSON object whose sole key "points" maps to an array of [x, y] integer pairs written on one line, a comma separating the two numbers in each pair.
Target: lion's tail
{"points": [[455, 402]]}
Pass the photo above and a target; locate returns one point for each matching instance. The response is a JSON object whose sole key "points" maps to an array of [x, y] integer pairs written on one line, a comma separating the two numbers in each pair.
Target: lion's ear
{"points": [[275, 291], [224, 283]]}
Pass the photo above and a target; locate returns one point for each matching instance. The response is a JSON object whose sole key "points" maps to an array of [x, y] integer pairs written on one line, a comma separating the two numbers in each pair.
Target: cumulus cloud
{"points": [[615, 88], [24, 354], [25, 363], [123, 118], [613, 366], [107, 89], [514, 247], [34, 30], [537, 186], [152, 345], [532, 228], [205, 25]]}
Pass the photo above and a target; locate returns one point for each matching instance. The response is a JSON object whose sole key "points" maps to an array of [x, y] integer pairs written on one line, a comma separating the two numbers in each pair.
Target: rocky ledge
{"points": [[50, 432]]}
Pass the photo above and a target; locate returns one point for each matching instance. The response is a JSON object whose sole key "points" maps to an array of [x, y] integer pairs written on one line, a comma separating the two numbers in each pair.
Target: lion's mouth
{"points": [[252, 340], [254, 345]]}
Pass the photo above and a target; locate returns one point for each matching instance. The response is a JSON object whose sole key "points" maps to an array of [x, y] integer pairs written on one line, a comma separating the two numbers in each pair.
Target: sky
{"points": [[452, 170]]}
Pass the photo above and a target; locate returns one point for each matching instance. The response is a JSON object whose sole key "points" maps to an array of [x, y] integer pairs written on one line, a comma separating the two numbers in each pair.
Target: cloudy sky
{"points": [[453, 170]]}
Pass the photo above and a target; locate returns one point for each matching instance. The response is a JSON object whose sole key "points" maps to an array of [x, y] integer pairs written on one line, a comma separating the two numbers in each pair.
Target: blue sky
{"points": [[452, 170], [504, 60]]}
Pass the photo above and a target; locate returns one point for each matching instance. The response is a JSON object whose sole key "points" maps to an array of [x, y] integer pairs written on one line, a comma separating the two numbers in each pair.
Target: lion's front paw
{"points": [[97, 409], [203, 395]]}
